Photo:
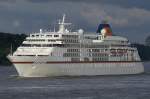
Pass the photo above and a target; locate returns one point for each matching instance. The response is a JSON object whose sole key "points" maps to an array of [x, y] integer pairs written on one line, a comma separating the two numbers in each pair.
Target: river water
{"points": [[96, 87]]}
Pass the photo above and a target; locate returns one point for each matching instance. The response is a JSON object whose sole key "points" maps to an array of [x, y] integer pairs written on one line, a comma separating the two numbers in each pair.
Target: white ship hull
{"points": [[78, 69]]}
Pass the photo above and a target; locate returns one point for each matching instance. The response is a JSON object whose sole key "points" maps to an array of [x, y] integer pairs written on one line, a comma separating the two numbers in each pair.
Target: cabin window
{"points": [[32, 35], [26, 45], [75, 59], [86, 59], [95, 50], [48, 35], [51, 40], [99, 59], [56, 35], [73, 50], [71, 55], [42, 35]]}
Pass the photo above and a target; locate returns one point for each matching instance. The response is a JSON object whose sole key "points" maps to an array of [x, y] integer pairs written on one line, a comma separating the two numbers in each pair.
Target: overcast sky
{"points": [[129, 18]]}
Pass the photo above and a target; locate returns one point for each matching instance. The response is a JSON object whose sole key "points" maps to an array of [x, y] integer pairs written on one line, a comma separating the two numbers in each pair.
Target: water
{"points": [[97, 87]]}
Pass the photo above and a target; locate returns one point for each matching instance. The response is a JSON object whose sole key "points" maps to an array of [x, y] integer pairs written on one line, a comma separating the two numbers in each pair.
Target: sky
{"points": [[129, 18]]}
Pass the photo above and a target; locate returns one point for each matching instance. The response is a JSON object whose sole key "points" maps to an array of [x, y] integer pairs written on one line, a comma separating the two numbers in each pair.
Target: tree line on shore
{"points": [[8, 39]]}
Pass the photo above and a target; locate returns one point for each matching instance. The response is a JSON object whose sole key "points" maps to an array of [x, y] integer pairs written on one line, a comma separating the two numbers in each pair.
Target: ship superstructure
{"points": [[76, 53]]}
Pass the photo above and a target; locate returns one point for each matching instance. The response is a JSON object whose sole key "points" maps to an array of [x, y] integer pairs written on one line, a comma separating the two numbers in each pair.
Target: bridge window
{"points": [[48, 35], [56, 35]]}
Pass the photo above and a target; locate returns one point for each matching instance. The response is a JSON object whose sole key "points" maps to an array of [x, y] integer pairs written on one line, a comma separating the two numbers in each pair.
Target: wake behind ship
{"points": [[67, 53]]}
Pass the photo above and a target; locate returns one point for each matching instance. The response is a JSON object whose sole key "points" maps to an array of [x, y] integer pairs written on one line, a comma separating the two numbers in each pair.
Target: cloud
{"points": [[116, 15], [30, 15], [16, 23], [7, 1], [123, 3]]}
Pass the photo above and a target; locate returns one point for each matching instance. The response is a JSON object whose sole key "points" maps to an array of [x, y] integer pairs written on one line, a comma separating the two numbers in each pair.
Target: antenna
{"points": [[54, 28], [11, 52], [63, 21]]}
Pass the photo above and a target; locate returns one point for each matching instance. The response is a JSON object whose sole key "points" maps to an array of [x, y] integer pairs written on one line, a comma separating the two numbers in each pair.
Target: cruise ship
{"points": [[78, 53]]}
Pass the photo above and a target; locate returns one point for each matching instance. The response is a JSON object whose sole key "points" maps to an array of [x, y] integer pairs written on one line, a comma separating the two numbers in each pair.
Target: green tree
{"points": [[6, 40], [147, 41]]}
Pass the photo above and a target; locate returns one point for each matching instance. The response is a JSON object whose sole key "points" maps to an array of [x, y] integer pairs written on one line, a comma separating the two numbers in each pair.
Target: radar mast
{"points": [[62, 25]]}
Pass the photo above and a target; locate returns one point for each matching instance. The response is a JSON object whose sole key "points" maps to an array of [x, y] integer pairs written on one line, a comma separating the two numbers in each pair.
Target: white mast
{"points": [[62, 25]]}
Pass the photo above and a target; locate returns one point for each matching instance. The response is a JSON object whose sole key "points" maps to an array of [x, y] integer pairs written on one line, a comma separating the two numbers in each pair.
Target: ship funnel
{"points": [[105, 29]]}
